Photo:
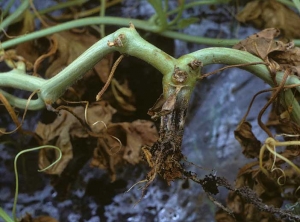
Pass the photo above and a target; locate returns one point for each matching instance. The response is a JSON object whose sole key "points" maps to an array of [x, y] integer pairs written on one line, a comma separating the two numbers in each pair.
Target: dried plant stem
{"points": [[98, 97]]}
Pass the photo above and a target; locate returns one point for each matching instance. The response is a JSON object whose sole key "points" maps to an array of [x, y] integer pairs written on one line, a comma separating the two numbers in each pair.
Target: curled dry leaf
{"points": [[244, 135], [67, 126], [262, 43], [133, 136], [271, 14], [279, 55]]}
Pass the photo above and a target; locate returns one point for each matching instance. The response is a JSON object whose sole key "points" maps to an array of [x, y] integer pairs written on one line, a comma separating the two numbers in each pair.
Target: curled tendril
{"points": [[270, 145], [16, 170]]}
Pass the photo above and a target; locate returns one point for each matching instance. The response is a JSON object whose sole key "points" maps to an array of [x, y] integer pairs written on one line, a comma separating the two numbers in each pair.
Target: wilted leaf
{"points": [[271, 14], [133, 136], [262, 43], [277, 54], [251, 146], [67, 126]]}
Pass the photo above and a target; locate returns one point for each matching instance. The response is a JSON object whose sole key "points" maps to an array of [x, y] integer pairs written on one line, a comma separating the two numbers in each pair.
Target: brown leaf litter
{"points": [[271, 14]]}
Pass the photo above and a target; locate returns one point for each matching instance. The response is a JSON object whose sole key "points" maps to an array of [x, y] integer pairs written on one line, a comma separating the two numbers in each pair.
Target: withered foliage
{"points": [[282, 182], [278, 54], [271, 14], [244, 135], [66, 127], [122, 143]]}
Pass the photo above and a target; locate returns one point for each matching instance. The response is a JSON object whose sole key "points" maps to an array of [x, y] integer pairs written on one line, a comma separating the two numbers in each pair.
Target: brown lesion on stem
{"points": [[117, 42], [165, 156]]}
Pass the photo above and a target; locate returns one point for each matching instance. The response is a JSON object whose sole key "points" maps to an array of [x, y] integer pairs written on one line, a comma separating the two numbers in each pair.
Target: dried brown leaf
{"points": [[271, 14], [244, 135], [67, 126], [262, 43], [133, 136]]}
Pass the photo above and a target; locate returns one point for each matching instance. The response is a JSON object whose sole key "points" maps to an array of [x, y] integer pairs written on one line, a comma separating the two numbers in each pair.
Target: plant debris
{"points": [[271, 14]]}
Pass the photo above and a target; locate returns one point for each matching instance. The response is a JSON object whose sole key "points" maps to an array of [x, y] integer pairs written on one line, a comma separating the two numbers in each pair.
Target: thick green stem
{"points": [[128, 41], [235, 57], [15, 16], [18, 79]]}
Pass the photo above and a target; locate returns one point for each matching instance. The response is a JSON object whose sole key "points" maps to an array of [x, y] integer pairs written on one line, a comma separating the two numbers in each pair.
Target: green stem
{"points": [[234, 57], [102, 14], [199, 39], [197, 3], [14, 16], [8, 6], [287, 3], [79, 23], [5, 216], [61, 5], [18, 79], [160, 14], [179, 14], [133, 45], [128, 41], [16, 171], [22, 103], [297, 4]]}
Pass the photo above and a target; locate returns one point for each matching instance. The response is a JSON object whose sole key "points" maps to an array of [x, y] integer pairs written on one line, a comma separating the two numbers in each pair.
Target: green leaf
{"points": [[5, 216], [183, 23]]}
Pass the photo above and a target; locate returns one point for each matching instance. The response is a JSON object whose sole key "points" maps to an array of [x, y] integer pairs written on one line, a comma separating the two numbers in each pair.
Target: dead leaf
{"points": [[244, 135], [271, 14], [66, 126], [110, 153], [262, 43]]}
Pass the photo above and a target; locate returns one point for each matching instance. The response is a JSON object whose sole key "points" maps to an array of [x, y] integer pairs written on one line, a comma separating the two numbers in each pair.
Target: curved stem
{"points": [[22, 103], [8, 6], [16, 171], [199, 39], [5, 216], [61, 5], [14, 16], [145, 25], [18, 79], [129, 43], [233, 57]]}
